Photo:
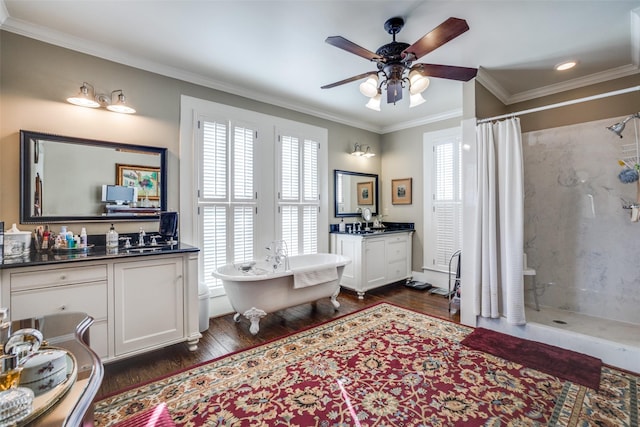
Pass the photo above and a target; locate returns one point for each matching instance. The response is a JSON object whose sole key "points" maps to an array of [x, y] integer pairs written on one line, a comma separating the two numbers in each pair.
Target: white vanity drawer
{"points": [[57, 276], [397, 270], [86, 298], [397, 249]]}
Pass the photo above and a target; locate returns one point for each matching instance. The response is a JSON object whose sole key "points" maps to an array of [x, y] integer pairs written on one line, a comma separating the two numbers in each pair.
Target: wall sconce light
{"points": [[360, 152], [87, 97]]}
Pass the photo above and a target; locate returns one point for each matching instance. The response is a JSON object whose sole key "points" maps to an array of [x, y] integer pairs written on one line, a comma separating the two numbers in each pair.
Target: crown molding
{"points": [[451, 114]]}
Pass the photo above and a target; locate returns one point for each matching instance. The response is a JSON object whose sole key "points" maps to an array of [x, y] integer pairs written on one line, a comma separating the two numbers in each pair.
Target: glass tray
{"points": [[71, 250], [43, 402]]}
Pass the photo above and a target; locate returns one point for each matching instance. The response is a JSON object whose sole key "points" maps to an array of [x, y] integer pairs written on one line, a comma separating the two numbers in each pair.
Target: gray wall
{"points": [[36, 78]]}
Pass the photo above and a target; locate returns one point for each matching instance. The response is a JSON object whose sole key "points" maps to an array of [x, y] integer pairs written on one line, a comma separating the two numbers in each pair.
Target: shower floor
{"points": [[615, 343], [620, 332]]}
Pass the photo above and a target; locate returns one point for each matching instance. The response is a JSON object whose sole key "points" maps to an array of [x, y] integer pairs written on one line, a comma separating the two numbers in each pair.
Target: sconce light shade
{"points": [[88, 98], [120, 106], [374, 102], [418, 82], [369, 87], [84, 98], [357, 150]]}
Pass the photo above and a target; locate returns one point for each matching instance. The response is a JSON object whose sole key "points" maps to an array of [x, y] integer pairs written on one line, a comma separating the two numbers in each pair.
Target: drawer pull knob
{"points": [[63, 277], [63, 307]]}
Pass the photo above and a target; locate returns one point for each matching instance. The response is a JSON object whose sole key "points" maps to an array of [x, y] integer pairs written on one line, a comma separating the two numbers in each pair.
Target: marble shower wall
{"points": [[577, 235]]}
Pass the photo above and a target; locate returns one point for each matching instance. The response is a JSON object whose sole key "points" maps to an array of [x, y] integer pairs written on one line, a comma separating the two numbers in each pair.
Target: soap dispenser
{"points": [[112, 238]]}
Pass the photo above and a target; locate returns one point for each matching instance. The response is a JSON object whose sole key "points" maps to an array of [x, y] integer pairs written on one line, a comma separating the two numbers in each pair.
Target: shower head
{"points": [[619, 127]]}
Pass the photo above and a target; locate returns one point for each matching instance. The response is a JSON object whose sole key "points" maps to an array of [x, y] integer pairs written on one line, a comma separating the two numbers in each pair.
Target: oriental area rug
{"points": [[381, 366]]}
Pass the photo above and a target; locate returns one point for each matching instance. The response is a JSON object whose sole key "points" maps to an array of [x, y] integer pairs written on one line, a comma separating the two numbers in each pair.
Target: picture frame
{"points": [[401, 191], [145, 178], [365, 193]]}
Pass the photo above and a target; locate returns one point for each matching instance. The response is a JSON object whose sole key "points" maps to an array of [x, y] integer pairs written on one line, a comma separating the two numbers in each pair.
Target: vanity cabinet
{"points": [[138, 323], [377, 259], [138, 303]]}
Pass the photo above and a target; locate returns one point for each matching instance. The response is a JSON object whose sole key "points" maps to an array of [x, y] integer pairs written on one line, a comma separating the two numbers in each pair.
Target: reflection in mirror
{"points": [[355, 191], [66, 179]]}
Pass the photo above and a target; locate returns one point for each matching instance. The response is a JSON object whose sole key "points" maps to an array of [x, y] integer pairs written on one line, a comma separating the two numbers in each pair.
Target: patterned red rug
{"points": [[566, 364], [381, 366]]}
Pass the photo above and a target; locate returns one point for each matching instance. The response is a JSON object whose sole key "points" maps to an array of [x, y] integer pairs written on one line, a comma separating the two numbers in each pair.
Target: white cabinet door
{"points": [[375, 263], [149, 304]]}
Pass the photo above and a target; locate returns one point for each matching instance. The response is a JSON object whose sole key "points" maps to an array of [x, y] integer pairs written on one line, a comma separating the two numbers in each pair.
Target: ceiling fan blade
{"points": [[349, 46], [448, 30], [450, 72], [349, 80]]}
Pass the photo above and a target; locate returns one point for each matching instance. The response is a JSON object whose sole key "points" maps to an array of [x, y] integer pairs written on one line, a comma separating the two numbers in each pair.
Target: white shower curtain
{"points": [[498, 235]]}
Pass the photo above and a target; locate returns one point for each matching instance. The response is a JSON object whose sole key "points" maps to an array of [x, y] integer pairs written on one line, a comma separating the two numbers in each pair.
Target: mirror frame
{"points": [[337, 214], [26, 188]]}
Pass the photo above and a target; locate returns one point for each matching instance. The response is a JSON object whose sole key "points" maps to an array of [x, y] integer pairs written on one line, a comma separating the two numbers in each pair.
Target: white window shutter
{"points": [[214, 242], [214, 160]]}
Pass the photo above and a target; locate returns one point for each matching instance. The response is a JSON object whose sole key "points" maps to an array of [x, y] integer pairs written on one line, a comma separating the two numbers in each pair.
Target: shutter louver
{"points": [[310, 170], [243, 163], [310, 230], [242, 233], [290, 165], [214, 250], [214, 160]]}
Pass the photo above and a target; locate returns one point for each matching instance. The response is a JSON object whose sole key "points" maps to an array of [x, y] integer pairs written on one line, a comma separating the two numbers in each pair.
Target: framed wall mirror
{"points": [[354, 192], [68, 179]]}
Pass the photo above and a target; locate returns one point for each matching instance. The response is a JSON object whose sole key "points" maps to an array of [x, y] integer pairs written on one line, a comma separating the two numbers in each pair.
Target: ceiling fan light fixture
{"points": [[85, 97], [369, 87], [566, 65], [374, 102], [415, 100], [418, 82]]}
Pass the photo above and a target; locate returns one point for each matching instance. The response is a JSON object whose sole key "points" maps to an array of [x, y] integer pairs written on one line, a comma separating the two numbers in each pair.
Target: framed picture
{"points": [[146, 179], [401, 191], [365, 193]]}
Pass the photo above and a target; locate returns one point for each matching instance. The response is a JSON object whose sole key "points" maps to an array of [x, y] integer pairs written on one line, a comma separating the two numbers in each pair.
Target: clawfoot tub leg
{"points": [[334, 299], [236, 317], [254, 315]]}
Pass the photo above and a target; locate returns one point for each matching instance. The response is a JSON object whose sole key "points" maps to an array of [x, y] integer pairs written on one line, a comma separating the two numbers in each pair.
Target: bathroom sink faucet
{"points": [[141, 235]]}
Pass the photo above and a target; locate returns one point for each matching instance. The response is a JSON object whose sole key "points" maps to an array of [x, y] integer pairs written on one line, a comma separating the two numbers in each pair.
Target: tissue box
{"points": [[44, 370], [17, 244]]}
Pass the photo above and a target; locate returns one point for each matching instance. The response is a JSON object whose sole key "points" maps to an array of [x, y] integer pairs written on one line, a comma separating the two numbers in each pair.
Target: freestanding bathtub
{"points": [[256, 289]]}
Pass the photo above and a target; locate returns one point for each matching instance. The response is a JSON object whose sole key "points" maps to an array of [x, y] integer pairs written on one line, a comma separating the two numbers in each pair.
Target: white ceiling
{"points": [[274, 51]]}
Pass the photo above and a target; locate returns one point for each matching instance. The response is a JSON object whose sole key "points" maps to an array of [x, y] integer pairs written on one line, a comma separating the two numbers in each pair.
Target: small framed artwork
{"points": [[365, 193], [401, 191], [146, 179]]}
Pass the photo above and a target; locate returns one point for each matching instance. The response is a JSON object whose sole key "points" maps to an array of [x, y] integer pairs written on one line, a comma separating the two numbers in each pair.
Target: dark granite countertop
{"points": [[389, 227], [93, 253]]}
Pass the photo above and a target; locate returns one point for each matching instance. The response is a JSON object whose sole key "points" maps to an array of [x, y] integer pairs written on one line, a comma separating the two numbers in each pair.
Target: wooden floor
{"points": [[225, 336]]}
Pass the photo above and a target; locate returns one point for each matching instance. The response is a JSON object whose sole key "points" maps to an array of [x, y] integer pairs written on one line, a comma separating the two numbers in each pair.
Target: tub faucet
{"points": [[278, 254]]}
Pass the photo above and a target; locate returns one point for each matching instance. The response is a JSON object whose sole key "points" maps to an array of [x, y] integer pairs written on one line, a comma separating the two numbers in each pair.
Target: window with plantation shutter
{"points": [[244, 182], [299, 201], [443, 197], [227, 201]]}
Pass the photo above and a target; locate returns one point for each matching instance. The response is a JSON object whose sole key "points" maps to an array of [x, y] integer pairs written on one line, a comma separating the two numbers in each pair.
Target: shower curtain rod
{"points": [[562, 104]]}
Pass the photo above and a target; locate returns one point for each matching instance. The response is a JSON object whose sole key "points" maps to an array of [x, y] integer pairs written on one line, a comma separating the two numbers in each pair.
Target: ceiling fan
{"points": [[395, 59]]}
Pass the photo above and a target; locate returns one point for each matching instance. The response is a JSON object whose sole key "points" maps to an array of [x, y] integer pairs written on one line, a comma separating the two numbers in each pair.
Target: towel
{"points": [[304, 279]]}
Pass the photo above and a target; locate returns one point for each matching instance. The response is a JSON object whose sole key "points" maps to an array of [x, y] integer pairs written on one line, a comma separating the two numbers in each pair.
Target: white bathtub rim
{"points": [[230, 271]]}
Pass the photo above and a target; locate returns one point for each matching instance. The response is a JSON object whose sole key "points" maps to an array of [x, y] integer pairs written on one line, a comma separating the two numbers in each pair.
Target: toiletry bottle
{"points": [[341, 227], [71, 243], [112, 238], [83, 238]]}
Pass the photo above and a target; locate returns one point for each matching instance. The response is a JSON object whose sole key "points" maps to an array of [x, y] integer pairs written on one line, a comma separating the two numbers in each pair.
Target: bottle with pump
{"points": [[341, 226], [83, 238], [112, 238]]}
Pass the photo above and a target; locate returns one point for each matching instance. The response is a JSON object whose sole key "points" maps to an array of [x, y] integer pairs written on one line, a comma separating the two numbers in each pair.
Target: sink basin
{"points": [[145, 249]]}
